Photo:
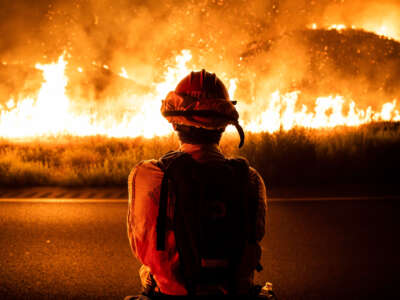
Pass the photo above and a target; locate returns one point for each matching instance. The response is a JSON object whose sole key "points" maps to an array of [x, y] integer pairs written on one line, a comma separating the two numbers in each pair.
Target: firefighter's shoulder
{"points": [[146, 171], [255, 175], [257, 182], [146, 165]]}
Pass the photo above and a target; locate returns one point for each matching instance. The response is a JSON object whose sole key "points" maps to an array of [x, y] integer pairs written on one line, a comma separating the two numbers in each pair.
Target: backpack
{"points": [[213, 217]]}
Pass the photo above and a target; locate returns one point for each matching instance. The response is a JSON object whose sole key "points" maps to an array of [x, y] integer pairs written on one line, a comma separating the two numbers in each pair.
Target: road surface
{"points": [[313, 250]]}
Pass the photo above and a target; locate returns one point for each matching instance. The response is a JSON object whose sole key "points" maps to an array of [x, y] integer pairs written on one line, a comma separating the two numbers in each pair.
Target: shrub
{"points": [[366, 154]]}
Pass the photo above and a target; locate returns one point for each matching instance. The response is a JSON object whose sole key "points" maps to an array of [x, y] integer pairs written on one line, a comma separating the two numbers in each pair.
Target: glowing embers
{"points": [[337, 27], [328, 112]]}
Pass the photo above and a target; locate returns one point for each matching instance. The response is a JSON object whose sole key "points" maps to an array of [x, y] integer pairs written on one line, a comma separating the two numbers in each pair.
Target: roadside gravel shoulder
{"points": [[322, 192]]}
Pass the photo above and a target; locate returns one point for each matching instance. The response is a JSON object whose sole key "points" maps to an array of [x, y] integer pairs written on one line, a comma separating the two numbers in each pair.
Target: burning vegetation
{"points": [[87, 68], [364, 155]]}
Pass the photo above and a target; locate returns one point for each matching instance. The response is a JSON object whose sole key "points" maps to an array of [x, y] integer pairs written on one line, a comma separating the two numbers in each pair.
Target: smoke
{"points": [[357, 62], [260, 42]]}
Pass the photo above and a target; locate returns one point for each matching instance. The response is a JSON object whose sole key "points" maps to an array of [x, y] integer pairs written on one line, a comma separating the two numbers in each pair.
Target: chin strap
{"points": [[240, 131]]}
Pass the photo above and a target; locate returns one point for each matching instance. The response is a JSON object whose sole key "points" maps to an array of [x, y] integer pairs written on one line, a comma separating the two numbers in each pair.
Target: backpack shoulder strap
{"points": [[243, 167], [166, 163], [241, 164], [169, 158]]}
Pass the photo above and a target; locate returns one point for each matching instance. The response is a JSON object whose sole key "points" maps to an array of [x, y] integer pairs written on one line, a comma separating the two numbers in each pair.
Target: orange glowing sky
{"points": [[86, 68]]}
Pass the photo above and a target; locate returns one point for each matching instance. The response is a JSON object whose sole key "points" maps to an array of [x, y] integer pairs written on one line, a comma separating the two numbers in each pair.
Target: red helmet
{"points": [[201, 100], [202, 85]]}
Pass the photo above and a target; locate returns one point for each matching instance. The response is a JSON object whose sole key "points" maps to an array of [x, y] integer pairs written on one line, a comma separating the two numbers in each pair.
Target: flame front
{"points": [[328, 112], [50, 112], [387, 30]]}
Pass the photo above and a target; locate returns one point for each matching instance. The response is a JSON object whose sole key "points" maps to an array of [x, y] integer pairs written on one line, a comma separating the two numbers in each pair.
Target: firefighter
{"points": [[169, 197]]}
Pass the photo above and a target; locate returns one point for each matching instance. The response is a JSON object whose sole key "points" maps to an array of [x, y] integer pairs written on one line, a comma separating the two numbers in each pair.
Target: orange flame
{"points": [[328, 112], [382, 29], [50, 112]]}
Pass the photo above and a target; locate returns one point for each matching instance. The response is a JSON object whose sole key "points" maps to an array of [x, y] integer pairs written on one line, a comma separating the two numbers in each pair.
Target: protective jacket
{"points": [[144, 195]]}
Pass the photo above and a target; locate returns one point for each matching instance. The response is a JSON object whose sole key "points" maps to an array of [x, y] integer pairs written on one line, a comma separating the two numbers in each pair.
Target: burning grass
{"points": [[368, 154]]}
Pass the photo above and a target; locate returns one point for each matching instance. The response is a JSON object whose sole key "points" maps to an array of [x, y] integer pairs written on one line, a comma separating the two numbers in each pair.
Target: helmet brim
{"points": [[213, 113]]}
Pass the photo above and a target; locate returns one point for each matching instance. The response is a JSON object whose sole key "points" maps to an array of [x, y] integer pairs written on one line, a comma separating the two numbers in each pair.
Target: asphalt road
{"points": [[312, 250]]}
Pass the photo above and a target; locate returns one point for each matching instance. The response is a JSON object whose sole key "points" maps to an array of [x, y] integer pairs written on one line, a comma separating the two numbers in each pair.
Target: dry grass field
{"points": [[368, 154]]}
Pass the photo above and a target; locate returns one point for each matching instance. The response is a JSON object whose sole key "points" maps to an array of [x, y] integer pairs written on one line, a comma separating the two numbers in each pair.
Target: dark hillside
{"points": [[359, 65]]}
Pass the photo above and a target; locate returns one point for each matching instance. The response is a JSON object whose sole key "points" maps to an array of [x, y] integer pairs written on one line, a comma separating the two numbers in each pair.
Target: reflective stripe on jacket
{"points": [[144, 185]]}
